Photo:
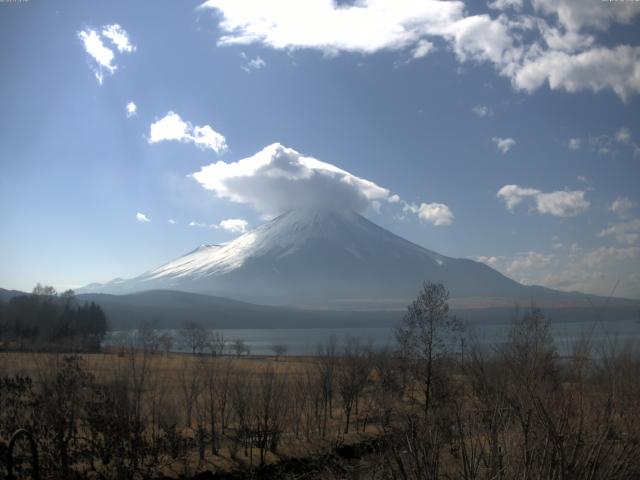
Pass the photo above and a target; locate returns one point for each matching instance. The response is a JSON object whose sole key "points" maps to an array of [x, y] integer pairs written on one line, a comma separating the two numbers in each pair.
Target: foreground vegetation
{"points": [[424, 411]]}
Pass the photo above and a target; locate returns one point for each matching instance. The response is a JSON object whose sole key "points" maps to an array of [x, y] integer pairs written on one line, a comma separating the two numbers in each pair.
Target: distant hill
{"points": [[170, 309], [6, 295]]}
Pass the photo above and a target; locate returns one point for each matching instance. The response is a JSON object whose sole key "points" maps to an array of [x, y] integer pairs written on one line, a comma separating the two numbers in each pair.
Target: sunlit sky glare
{"points": [[506, 132]]}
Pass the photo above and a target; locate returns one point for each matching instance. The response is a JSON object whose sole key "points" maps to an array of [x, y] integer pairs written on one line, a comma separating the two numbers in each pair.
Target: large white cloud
{"points": [[278, 178], [561, 203], [172, 127], [367, 27], [550, 46]]}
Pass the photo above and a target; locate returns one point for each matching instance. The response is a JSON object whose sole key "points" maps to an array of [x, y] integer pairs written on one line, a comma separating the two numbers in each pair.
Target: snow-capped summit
{"points": [[320, 257]]}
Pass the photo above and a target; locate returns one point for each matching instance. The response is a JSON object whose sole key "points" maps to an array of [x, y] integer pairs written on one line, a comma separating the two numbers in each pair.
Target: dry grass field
{"points": [[177, 386], [412, 413]]}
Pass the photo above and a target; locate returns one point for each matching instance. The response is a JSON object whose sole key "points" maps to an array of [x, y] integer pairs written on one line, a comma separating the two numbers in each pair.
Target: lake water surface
{"points": [[304, 341]]}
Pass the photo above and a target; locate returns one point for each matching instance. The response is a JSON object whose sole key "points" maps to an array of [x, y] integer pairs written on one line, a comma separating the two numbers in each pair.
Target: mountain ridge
{"points": [[332, 259]]}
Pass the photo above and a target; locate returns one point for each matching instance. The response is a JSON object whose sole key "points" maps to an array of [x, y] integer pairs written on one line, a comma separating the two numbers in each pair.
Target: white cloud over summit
{"points": [[556, 46], [278, 178]]}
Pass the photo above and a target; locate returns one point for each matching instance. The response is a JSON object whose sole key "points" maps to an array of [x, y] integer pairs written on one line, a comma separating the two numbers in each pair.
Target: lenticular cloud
{"points": [[277, 179]]}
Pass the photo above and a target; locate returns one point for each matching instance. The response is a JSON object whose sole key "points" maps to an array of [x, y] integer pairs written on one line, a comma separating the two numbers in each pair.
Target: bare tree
{"points": [[270, 410], [214, 395], [352, 376], [190, 384], [326, 363], [279, 349], [216, 343], [194, 337], [425, 334], [166, 342], [240, 347]]}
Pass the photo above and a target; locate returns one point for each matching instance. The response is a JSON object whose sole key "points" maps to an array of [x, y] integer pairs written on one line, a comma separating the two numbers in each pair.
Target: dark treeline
{"points": [[46, 320], [514, 411]]}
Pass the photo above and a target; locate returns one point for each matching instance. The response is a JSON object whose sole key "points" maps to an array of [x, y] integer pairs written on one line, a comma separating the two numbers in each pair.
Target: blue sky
{"points": [[506, 132]]}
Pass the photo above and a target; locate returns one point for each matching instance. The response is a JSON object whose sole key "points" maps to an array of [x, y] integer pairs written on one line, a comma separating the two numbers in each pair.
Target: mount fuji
{"points": [[325, 258]]}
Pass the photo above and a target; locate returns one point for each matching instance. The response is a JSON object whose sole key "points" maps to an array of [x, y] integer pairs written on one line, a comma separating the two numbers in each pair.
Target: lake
{"points": [[304, 341]]}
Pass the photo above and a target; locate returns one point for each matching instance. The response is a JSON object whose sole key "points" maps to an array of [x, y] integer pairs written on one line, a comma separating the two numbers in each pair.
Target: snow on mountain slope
{"points": [[317, 258], [285, 236]]}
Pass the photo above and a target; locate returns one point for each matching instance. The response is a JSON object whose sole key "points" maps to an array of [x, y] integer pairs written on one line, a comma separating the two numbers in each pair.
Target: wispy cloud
{"points": [[119, 37], [438, 214], [505, 4], [482, 111], [422, 49], [623, 232], [131, 109], [561, 203], [234, 225], [142, 218], [103, 56], [193, 223], [172, 127], [607, 144], [574, 143], [621, 206], [503, 144], [250, 64], [572, 268]]}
